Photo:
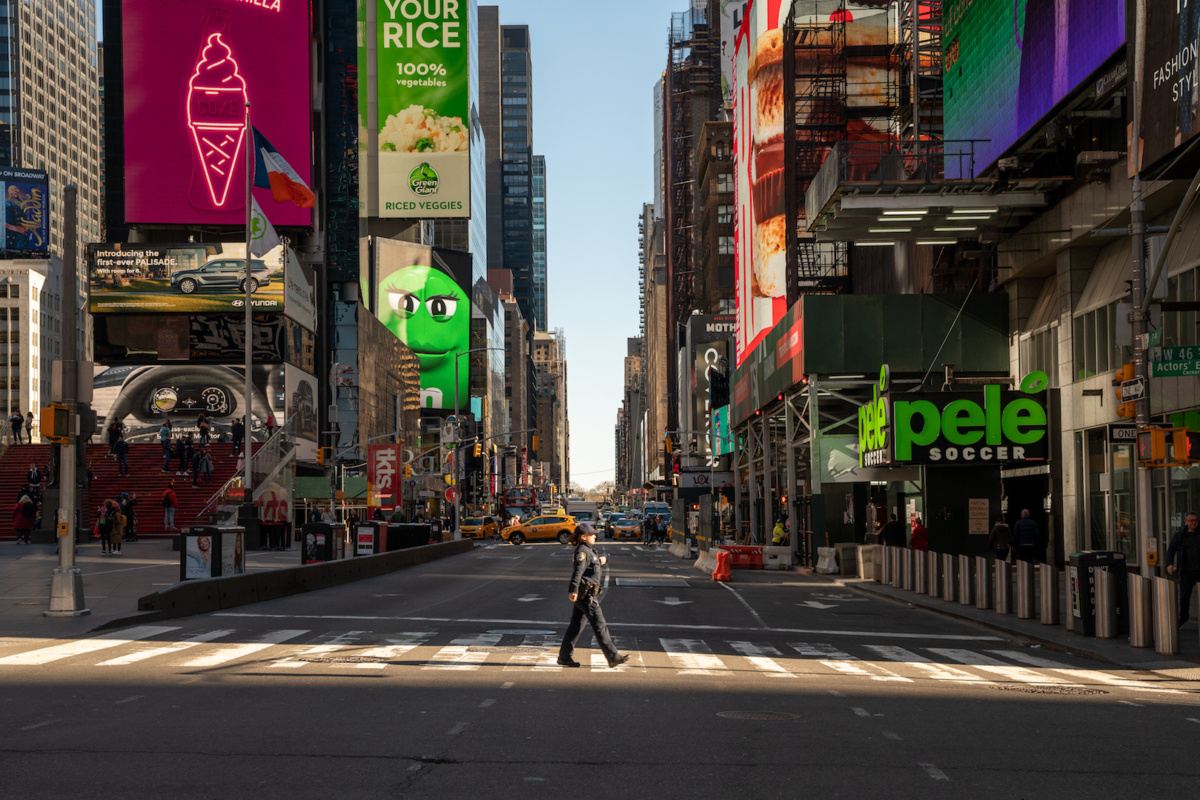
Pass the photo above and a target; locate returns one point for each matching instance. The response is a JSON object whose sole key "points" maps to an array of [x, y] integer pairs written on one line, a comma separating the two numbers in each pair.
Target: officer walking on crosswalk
{"points": [[585, 590]]}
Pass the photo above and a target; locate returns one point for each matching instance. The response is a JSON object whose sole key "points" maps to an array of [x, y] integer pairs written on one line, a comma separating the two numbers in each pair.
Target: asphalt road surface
{"points": [[440, 682]]}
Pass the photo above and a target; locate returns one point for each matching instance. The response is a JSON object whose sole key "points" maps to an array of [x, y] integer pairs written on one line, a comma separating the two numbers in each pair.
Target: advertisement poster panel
{"points": [[384, 473], [181, 278], [301, 410], [428, 308], [1164, 65], [26, 217], [189, 70], [198, 557], [299, 291], [233, 557], [1008, 64], [423, 75]]}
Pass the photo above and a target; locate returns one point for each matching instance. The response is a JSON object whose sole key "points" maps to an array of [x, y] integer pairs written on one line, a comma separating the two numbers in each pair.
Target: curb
{"points": [[216, 594]]}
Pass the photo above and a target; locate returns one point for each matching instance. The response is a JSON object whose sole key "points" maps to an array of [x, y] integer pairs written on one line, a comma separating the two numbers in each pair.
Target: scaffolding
{"points": [[919, 64]]}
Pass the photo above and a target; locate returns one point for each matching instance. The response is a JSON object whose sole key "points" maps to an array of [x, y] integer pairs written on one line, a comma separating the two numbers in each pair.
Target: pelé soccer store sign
{"points": [[979, 427]]}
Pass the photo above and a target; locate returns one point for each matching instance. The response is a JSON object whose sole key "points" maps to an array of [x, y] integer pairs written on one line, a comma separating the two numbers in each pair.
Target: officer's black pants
{"points": [[589, 608]]}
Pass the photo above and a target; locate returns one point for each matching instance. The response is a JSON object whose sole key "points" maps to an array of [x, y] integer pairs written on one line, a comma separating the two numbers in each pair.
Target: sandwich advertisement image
{"points": [[1007, 64], [423, 71], [429, 309], [188, 71], [183, 279], [26, 221]]}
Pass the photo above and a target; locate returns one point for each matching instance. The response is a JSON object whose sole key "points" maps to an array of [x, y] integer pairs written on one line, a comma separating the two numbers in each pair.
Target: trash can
{"points": [[370, 538], [1141, 623], [984, 597], [322, 541], [1048, 581], [966, 581], [1082, 587], [949, 577], [403, 535], [210, 551], [1166, 610], [1004, 598]]}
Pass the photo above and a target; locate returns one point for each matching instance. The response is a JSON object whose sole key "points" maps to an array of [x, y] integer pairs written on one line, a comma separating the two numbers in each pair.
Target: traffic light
{"points": [[323, 455], [535, 447], [1193, 446], [408, 470], [478, 449], [1152, 445], [1128, 410], [667, 443], [56, 423]]}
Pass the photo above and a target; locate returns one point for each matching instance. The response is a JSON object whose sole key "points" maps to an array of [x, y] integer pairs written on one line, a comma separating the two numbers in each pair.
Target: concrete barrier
{"points": [[707, 562], [214, 594]]}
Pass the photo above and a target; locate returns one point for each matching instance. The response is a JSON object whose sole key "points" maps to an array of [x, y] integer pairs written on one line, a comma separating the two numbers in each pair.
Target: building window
{"points": [[1096, 348], [1039, 351], [727, 305], [725, 245], [724, 215], [725, 182], [725, 277]]}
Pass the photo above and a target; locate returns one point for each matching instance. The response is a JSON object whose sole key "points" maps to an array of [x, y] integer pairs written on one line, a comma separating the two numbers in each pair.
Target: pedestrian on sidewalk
{"points": [[121, 451], [270, 425], [1186, 542], [893, 532], [16, 422], [181, 456], [206, 465], [24, 513], [105, 520], [164, 439], [202, 426], [1025, 535], [587, 581], [34, 475], [238, 432], [91, 476], [999, 538], [189, 451], [113, 433], [29, 427], [118, 529], [660, 534], [170, 502], [128, 502], [920, 536], [194, 463]]}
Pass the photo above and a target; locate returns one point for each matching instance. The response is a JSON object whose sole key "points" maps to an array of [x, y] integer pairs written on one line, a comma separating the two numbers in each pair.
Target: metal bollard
{"points": [[897, 561], [1048, 580], [984, 597], [933, 562], [1004, 598], [920, 572], [1106, 603], [1025, 603], [908, 578], [1166, 616], [1141, 624], [949, 577], [966, 581], [884, 575]]}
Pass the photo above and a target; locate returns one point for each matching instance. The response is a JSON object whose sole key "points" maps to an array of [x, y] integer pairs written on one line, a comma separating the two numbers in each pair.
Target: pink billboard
{"points": [[189, 69]]}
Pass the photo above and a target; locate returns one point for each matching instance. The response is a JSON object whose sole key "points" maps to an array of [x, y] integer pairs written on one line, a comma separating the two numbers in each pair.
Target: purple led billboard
{"points": [[1008, 63], [189, 69]]}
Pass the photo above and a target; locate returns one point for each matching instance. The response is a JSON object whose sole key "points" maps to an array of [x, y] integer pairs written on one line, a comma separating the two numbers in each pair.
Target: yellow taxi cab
{"points": [[480, 527], [627, 526], [542, 528]]}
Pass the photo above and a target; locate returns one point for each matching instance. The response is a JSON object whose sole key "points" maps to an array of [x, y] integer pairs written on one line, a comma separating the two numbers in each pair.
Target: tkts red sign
{"points": [[383, 472]]}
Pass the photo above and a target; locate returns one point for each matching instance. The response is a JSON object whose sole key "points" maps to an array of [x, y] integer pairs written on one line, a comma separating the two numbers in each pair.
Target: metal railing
{"points": [[268, 471]]}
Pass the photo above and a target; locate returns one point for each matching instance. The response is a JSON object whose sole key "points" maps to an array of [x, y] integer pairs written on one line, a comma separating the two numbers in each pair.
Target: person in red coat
{"points": [[170, 502], [24, 513], [920, 536]]}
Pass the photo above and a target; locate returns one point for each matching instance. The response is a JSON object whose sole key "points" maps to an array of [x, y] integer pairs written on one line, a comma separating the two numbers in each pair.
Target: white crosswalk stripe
{"points": [[458, 655], [329, 643], [1083, 674], [938, 672], [233, 652], [393, 651], [693, 657], [545, 659], [839, 661], [47, 655], [763, 657], [187, 643], [996, 667]]}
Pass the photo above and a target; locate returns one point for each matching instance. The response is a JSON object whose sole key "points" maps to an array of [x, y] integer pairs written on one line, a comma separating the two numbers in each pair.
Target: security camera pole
{"points": [[66, 582]]}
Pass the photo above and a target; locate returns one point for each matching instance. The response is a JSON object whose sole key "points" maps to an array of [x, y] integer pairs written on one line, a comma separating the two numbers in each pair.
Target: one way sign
{"points": [[1133, 390]]}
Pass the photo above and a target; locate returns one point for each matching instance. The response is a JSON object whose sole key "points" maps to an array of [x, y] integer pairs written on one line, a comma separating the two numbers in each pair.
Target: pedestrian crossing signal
{"points": [[56, 423], [323, 455]]}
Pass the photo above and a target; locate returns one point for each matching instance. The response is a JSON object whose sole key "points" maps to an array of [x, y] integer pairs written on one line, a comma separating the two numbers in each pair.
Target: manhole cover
{"points": [[1050, 689], [768, 715], [341, 659], [526, 650]]}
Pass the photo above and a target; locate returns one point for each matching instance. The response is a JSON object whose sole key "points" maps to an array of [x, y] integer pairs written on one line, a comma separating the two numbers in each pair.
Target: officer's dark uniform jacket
{"points": [[1187, 544], [588, 570]]}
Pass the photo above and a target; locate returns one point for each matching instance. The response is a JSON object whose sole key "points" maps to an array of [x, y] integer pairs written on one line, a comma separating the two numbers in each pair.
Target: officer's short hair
{"points": [[1190, 514]]}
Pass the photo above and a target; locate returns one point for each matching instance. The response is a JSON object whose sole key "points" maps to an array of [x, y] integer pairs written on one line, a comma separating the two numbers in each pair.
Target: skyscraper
{"points": [[49, 103], [539, 241], [516, 151]]}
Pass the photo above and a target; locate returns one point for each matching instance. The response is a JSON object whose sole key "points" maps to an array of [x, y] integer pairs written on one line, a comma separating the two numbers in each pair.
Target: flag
{"points": [[272, 172], [262, 233]]}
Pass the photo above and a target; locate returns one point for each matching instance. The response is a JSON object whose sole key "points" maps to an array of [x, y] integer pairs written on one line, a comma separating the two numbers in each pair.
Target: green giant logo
{"points": [[423, 181], [939, 427]]}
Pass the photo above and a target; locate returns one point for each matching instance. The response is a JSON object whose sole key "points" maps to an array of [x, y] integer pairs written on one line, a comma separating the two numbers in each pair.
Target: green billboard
{"points": [[423, 83]]}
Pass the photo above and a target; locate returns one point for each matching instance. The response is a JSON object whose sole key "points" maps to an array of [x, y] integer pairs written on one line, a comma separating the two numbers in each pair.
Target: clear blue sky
{"points": [[594, 65]]}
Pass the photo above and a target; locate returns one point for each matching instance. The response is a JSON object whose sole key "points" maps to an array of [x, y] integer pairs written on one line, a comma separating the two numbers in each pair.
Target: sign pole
{"points": [[1141, 368], [247, 513]]}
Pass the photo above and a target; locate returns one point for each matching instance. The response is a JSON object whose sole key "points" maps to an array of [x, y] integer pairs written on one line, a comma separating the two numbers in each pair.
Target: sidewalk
{"points": [[111, 584], [1183, 666]]}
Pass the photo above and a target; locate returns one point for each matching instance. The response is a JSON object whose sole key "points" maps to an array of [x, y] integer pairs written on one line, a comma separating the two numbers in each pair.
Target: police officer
{"points": [[584, 595]]}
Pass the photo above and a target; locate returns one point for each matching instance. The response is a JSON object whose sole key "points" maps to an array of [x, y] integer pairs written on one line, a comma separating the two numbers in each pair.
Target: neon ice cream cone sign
{"points": [[216, 111]]}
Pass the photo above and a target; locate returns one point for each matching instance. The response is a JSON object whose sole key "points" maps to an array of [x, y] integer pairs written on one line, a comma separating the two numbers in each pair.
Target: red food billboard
{"points": [[188, 71], [384, 473]]}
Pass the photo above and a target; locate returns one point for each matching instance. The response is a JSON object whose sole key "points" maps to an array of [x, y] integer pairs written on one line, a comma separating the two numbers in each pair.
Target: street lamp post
{"points": [[457, 488]]}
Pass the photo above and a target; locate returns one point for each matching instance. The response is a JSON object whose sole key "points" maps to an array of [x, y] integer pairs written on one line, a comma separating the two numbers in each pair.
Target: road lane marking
{"points": [[1131, 703], [1083, 674], [742, 600], [507, 685], [693, 657], [189, 641], [39, 725], [294, 661], [226, 654], [829, 656], [938, 672], [488, 703], [997, 667], [544, 659], [761, 656], [389, 652], [458, 654], [48, 655], [895, 737], [656, 625], [860, 712], [129, 699], [933, 771], [457, 729]]}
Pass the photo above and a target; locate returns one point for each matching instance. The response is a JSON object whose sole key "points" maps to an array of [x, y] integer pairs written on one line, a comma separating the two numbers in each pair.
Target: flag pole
{"points": [[247, 482]]}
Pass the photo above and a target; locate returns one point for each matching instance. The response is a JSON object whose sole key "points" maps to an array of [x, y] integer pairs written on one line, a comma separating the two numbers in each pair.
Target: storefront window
{"points": [[1124, 518], [1097, 475]]}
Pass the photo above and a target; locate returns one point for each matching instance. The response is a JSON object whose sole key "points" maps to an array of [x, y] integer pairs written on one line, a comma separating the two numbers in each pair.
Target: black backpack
{"points": [[166, 500]]}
